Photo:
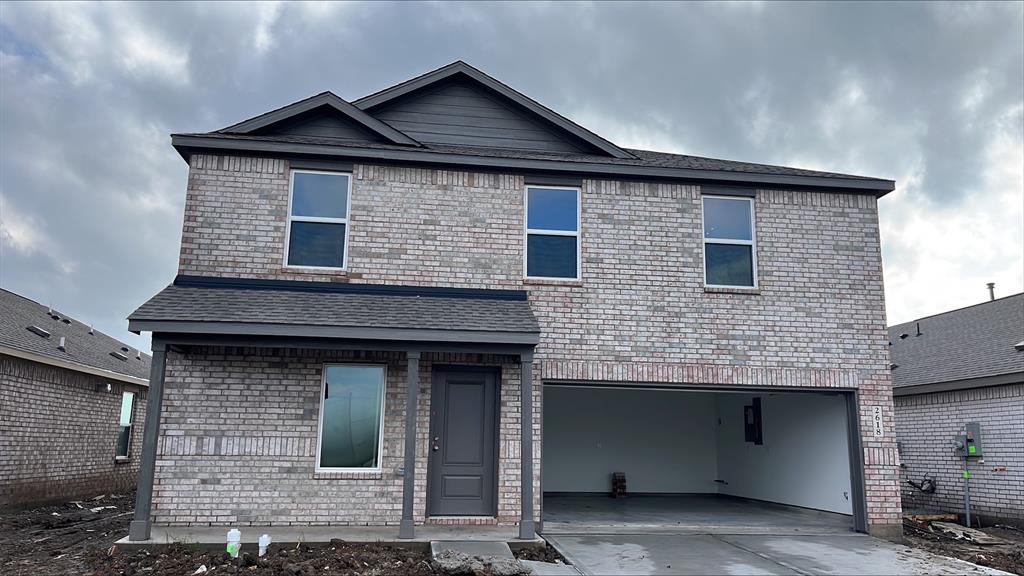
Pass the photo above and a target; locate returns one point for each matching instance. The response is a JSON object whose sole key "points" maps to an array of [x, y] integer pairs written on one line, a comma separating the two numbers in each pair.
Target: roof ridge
{"points": [[956, 310]]}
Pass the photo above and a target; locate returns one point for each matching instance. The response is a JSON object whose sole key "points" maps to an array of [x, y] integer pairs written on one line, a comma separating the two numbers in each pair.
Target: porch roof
{"points": [[231, 306]]}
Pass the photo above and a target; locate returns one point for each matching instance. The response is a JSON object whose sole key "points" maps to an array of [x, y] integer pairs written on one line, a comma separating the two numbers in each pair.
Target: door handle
{"points": [[435, 447]]}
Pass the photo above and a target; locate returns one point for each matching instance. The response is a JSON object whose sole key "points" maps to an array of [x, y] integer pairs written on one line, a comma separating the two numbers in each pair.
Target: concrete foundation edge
{"points": [[890, 532]]}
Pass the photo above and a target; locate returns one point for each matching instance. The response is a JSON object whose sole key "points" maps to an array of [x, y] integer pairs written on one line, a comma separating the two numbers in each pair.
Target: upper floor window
{"points": [[351, 417], [124, 436], [552, 232], [730, 250], [317, 235]]}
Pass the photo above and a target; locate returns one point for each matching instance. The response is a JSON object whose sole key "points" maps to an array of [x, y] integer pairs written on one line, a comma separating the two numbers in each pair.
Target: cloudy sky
{"points": [[931, 95]]}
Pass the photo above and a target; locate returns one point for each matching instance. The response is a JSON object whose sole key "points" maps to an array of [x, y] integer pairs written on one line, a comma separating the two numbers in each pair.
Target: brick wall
{"points": [[640, 312], [926, 425], [58, 434], [239, 432]]}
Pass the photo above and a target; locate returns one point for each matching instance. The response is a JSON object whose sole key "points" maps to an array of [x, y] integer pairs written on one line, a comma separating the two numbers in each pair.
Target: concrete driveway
{"points": [[752, 554]]}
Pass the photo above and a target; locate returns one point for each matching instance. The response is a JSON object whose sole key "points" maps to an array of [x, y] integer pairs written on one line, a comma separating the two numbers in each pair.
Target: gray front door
{"points": [[463, 426]]}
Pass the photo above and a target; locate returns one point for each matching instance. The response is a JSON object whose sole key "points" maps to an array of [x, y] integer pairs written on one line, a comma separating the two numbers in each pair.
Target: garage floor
{"points": [[752, 554], [690, 514]]}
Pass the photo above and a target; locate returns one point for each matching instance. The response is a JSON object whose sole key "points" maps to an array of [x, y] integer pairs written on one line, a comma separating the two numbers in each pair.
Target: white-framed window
{"points": [[350, 434], [317, 232], [730, 245], [551, 249], [125, 422]]}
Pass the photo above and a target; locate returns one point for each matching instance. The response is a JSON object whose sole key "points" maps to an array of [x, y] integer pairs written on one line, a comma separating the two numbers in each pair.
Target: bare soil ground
{"points": [[1008, 557], [58, 539], [76, 538]]}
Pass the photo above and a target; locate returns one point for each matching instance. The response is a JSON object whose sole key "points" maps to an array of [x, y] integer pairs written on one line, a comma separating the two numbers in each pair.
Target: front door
{"points": [[463, 426]]}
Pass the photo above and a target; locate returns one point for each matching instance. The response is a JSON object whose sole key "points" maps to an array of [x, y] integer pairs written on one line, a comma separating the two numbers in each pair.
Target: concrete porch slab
{"points": [[472, 548], [215, 537]]}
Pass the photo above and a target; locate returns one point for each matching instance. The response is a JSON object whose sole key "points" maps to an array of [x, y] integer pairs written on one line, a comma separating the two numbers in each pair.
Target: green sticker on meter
{"points": [[972, 449], [967, 474]]}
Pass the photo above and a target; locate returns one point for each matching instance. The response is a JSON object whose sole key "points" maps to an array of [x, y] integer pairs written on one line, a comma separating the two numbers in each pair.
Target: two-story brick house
{"points": [[388, 310]]}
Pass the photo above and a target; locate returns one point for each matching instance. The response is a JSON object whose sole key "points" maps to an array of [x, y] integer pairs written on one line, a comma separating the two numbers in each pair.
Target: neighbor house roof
{"points": [[969, 347], [196, 305], [596, 156], [36, 332]]}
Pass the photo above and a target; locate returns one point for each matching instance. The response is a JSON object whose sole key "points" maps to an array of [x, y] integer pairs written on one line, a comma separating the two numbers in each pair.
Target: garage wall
{"points": [[804, 460], [663, 440]]}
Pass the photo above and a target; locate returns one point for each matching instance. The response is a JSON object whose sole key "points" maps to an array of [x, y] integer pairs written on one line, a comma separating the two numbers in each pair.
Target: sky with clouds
{"points": [[928, 94]]}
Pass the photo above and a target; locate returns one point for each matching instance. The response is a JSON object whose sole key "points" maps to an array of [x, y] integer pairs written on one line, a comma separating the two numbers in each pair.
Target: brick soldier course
{"points": [[238, 433]]}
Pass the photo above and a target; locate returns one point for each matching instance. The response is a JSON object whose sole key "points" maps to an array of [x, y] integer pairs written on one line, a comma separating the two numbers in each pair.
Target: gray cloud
{"points": [[930, 94]]}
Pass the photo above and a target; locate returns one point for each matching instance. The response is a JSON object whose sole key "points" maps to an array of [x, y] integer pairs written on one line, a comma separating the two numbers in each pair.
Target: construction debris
{"points": [[964, 533], [999, 546]]}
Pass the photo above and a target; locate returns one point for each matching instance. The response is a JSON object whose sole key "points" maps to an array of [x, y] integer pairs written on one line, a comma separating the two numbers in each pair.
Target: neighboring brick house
{"points": [[437, 255], [950, 369], [72, 406]]}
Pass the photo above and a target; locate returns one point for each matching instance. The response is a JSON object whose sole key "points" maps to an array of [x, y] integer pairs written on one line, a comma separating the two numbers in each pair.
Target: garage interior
{"points": [[695, 460]]}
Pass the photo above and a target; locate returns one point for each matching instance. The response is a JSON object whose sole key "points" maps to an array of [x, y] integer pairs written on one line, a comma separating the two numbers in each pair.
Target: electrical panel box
{"points": [[968, 443]]}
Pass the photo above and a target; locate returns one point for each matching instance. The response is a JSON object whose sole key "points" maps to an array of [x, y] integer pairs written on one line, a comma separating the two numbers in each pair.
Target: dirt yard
{"points": [[60, 539], [75, 539], [1008, 556]]}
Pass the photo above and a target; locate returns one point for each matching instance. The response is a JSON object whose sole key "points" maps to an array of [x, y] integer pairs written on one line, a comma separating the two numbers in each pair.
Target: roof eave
{"points": [[138, 325], [186, 144], [69, 365], [962, 384]]}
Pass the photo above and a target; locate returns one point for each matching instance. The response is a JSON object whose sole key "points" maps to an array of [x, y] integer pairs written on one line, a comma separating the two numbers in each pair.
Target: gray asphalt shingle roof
{"points": [[967, 343], [349, 310], [17, 313]]}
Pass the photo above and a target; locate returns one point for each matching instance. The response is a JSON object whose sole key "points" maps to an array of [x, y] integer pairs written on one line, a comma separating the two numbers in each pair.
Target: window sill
{"points": [[731, 290], [568, 282], [315, 270], [348, 475], [122, 459]]}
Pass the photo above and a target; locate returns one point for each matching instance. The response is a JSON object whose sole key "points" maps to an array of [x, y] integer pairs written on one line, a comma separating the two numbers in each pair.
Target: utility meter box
{"points": [[968, 443]]}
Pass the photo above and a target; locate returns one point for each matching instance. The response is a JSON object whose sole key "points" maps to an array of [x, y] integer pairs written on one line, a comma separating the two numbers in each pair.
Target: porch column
{"points": [[407, 529], [140, 527], [526, 527]]}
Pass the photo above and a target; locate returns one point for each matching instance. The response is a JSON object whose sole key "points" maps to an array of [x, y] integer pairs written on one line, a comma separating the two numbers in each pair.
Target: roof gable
{"points": [[460, 105], [324, 115]]}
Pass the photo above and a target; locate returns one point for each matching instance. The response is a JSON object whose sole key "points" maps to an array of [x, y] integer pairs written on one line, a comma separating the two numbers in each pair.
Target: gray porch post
{"points": [[407, 529], [526, 527], [139, 529]]}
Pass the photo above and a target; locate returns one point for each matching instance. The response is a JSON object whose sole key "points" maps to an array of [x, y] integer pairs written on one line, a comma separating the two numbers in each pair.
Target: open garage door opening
{"points": [[698, 460]]}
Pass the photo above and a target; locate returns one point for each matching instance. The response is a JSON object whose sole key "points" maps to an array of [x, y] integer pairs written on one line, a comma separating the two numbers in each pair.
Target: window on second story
{"points": [[730, 250], [317, 235], [552, 232]]}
